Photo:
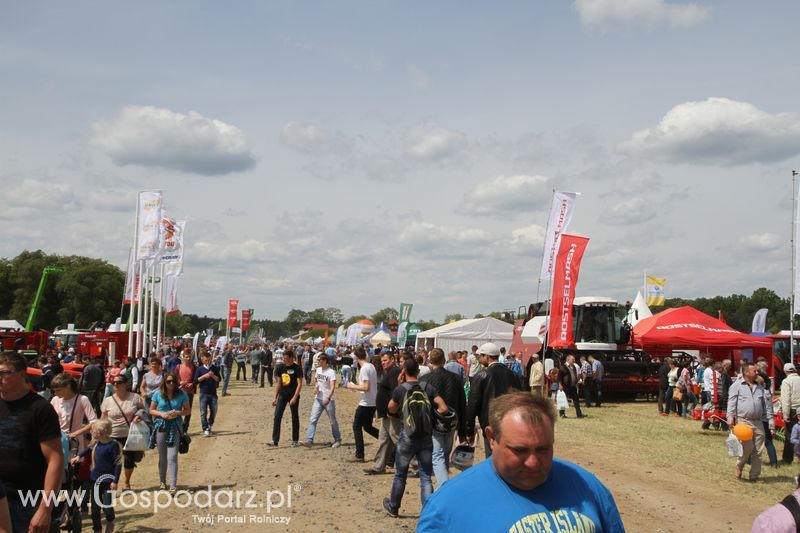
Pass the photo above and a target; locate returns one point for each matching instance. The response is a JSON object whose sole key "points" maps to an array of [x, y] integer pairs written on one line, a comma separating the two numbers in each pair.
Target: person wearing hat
{"points": [[790, 405], [494, 380]]}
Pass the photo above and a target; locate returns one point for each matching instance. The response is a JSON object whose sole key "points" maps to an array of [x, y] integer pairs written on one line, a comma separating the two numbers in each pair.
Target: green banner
{"points": [[405, 312]]}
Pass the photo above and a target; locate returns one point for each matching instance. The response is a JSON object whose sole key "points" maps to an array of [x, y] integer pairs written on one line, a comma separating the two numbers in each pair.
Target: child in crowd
{"points": [[795, 437], [553, 378], [106, 456]]}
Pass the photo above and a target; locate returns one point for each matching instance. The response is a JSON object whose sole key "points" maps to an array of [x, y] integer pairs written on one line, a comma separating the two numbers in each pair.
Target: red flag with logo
{"points": [[233, 312], [565, 279], [245, 320]]}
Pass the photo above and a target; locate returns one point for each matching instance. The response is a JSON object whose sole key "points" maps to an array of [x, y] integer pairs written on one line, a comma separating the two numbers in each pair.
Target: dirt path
{"points": [[329, 494]]}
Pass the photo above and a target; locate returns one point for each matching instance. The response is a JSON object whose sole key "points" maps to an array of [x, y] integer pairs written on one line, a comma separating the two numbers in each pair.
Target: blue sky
{"points": [[359, 154]]}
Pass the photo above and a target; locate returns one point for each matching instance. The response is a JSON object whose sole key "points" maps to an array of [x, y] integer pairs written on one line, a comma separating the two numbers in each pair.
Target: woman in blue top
{"points": [[168, 405]]}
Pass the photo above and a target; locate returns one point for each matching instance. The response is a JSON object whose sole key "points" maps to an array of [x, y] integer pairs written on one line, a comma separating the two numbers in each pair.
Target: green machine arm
{"points": [[39, 292]]}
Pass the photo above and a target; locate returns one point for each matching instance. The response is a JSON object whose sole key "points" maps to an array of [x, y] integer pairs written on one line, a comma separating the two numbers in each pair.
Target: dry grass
{"points": [[635, 434]]}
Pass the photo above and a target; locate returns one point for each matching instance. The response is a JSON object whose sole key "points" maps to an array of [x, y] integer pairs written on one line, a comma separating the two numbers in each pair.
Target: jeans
{"points": [[167, 459], [788, 447], [442, 446], [689, 398], [101, 495], [588, 389], [255, 373], [280, 407], [316, 412], [346, 370], [241, 367], [597, 391], [388, 435], [188, 417], [226, 378], [207, 402], [407, 449], [363, 420], [266, 371], [21, 515], [768, 444], [668, 400]]}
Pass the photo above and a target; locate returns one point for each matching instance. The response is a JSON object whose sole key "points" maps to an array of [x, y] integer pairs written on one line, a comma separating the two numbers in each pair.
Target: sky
{"points": [[361, 154]]}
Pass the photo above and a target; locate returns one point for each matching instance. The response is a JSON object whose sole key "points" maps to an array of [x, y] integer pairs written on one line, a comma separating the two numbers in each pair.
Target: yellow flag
{"points": [[655, 290]]}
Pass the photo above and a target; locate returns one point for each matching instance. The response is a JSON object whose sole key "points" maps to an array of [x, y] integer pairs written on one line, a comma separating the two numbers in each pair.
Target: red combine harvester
{"points": [[599, 329], [115, 344]]}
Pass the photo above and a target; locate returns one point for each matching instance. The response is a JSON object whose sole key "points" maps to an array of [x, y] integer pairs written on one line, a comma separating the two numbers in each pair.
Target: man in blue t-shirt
{"points": [[529, 491]]}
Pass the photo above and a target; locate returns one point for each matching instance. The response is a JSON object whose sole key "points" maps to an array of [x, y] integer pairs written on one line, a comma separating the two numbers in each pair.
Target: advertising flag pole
{"points": [[794, 269], [133, 282]]}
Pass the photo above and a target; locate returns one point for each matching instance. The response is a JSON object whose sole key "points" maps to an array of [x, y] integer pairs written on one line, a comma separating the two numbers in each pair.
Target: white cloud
{"points": [[153, 137], [632, 210], [430, 240], [37, 194], [314, 140], [762, 242], [112, 199], [719, 131], [430, 141], [508, 196], [420, 78], [605, 14]]}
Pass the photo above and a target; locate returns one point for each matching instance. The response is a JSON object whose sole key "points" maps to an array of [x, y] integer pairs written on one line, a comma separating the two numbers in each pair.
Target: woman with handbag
{"points": [[122, 408], [71, 408], [168, 405], [672, 383]]}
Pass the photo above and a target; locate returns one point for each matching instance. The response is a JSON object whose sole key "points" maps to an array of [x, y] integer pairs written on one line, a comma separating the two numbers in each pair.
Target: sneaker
{"points": [[207, 433], [271, 443], [388, 506], [307, 443], [162, 486], [372, 472], [295, 444], [336, 444]]}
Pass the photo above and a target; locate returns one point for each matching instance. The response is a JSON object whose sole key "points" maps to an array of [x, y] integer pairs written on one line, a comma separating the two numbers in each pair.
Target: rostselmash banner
{"points": [[760, 321], [148, 230], [560, 217], [172, 244], [131, 287], [233, 312], [245, 320], [565, 279], [405, 312], [402, 334], [655, 290], [171, 286]]}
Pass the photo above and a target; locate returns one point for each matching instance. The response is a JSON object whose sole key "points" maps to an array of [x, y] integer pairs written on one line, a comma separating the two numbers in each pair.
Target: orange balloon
{"points": [[743, 432]]}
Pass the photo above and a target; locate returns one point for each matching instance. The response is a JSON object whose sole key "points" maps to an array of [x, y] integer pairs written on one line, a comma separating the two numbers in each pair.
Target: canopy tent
{"points": [[639, 310], [462, 334], [11, 325], [381, 337], [688, 328]]}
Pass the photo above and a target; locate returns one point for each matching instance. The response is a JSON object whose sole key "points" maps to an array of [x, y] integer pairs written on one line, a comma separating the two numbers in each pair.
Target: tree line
{"points": [[88, 290]]}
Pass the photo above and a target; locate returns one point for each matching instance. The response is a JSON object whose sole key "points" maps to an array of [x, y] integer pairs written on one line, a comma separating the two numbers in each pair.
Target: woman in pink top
{"points": [[72, 408], [186, 383], [114, 371]]}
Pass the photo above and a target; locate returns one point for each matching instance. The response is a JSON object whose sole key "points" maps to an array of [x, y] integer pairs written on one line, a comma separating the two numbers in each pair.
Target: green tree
{"points": [[178, 324], [387, 314], [353, 319], [453, 317]]}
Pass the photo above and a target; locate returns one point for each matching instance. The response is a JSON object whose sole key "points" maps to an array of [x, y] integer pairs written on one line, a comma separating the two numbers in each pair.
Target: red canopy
{"points": [[686, 327]]}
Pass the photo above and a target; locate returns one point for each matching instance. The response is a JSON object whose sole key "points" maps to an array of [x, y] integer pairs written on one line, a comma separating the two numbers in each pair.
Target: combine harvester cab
{"points": [[598, 329]]}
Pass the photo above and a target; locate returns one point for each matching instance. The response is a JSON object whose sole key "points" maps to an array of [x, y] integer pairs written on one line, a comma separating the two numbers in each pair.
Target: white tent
{"points": [[11, 325], [639, 310], [461, 335]]}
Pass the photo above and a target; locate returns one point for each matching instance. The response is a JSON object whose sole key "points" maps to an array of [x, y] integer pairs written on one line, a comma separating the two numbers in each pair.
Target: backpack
{"points": [[417, 412]]}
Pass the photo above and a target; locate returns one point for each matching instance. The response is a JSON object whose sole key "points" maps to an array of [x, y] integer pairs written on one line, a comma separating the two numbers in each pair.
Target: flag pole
{"points": [[544, 243], [160, 306], [133, 282], [152, 317], [139, 346], [794, 270]]}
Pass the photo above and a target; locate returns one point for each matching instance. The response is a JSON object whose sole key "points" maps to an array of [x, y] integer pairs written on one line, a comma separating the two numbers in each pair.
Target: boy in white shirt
{"points": [[324, 387]]}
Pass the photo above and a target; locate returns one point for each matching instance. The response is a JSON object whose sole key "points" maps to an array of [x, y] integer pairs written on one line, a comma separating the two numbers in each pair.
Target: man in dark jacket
{"points": [[663, 383], [494, 380], [389, 432], [449, 387], [266, 365], [568, 382]]}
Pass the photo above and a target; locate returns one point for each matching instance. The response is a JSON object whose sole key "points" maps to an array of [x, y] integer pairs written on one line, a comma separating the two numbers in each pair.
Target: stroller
{"points": [[67, 512]]}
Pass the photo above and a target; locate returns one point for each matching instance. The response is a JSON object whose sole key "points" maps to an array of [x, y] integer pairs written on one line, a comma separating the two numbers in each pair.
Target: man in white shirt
{"points": [[368, 387], [324, 387]]}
